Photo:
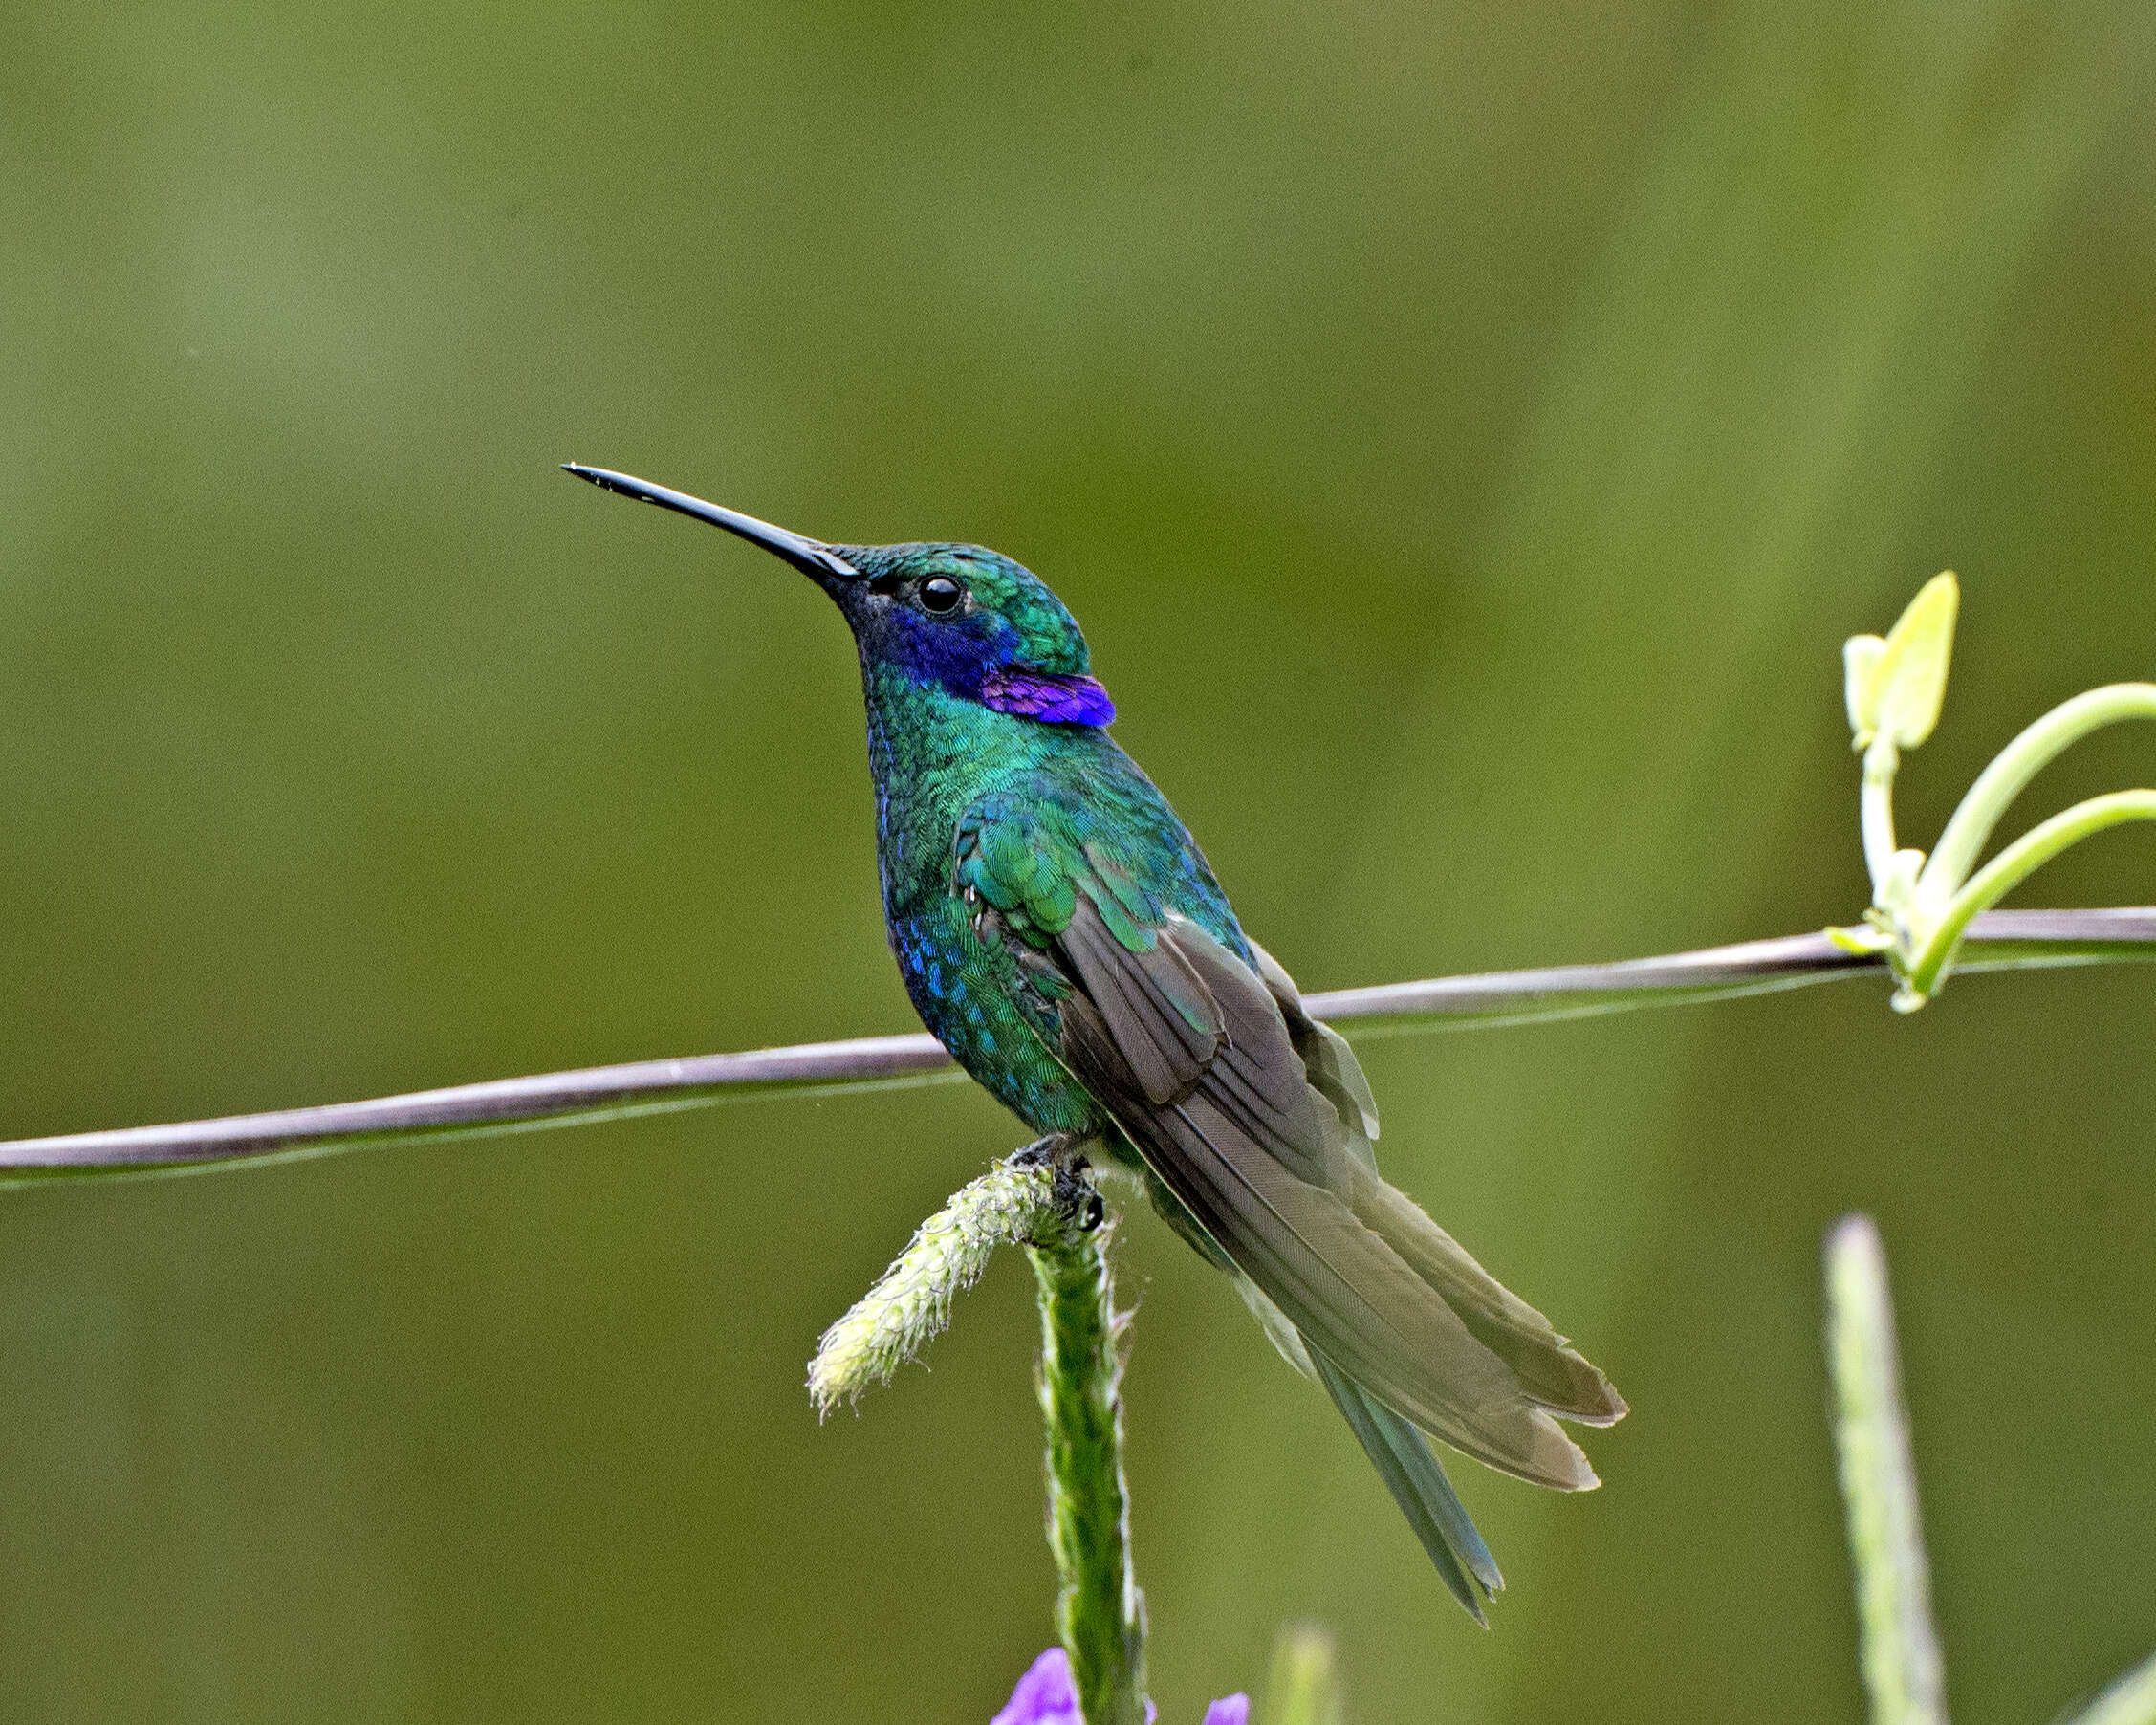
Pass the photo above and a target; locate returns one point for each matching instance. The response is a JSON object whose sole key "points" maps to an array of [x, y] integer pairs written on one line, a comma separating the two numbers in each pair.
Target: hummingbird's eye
{"points": [[940, 594]]}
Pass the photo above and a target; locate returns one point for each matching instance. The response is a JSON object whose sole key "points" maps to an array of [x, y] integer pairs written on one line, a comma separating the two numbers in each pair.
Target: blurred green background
{"points": [[1467, 433]]}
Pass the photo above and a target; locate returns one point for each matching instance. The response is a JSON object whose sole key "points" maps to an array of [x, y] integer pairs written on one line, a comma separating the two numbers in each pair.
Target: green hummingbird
{"points": [[1060, 934]]}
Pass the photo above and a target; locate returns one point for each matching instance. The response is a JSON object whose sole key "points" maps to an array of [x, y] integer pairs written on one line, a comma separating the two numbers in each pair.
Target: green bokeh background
{"points": [[1467, 433]]}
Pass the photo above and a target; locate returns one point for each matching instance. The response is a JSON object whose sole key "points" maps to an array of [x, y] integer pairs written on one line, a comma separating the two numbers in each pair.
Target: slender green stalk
{"points": [[1875, 807], [2014, 865], [1099, 1611], [1304, 1687], [1900, 1648], [1996, 787], [2129, 1701]]}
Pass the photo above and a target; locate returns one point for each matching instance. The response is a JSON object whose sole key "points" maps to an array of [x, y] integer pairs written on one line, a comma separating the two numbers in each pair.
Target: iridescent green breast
{"points": [[976, 986]]}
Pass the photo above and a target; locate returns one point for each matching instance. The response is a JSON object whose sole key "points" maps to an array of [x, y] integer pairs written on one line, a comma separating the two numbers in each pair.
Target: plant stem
{"points": [[1875, 807], [1100, 1612], [2016, 864], [1871, 1433], [1966, 834], [1304, 1687], [2129, 1701]]}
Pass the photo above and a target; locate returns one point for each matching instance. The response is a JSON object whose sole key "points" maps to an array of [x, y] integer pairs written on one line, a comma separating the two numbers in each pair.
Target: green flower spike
{"points": [[1922, 906], [909, 1305], [1058, 1218]]}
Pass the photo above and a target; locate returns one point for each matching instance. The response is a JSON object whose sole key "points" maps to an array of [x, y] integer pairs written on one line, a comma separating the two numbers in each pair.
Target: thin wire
{"points": [[2000, 940]]}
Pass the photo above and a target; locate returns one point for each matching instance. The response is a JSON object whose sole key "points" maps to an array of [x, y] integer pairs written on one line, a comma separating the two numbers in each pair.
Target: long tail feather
{"points": [[1552, 1372], [1410, 1470]]}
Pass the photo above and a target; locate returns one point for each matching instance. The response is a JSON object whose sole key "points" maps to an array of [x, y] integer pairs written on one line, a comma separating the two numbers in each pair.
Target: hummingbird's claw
{"points": [[1063, 1154], [1075, 1196]]}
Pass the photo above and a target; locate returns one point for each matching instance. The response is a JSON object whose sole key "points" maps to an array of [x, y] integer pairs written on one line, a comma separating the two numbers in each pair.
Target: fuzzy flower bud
{"points": [[910, 1303]]}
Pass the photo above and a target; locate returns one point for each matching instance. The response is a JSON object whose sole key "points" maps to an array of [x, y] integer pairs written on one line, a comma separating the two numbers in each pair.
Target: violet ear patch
{"points": [[1044, 695]]}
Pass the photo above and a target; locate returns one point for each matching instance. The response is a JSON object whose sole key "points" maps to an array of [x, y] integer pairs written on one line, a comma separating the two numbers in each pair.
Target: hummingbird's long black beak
{"points": [[810, 556]]}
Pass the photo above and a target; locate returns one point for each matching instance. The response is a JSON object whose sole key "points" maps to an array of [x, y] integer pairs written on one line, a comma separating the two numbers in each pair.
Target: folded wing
{"points": [[1256, 1122]]}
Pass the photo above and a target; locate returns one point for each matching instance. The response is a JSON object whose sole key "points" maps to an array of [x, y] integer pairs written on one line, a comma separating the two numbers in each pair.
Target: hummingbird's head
{"points": [[961, 618], [973, 622]]}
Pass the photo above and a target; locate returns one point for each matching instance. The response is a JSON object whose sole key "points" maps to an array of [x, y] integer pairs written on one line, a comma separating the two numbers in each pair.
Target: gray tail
{"points": [[1409, 1468]]}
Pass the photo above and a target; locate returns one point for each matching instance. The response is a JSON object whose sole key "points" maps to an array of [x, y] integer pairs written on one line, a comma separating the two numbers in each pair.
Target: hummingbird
{"points": [[1060, 931]]}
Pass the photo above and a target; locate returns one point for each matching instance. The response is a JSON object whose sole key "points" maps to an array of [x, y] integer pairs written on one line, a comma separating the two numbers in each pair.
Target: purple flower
{"points": [[1044, 1697]]}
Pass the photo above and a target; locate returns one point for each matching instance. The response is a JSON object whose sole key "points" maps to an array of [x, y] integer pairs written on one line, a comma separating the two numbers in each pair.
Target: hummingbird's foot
{"points": [[1063, 1155], [1076, 1194], [1058, 1149]]}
